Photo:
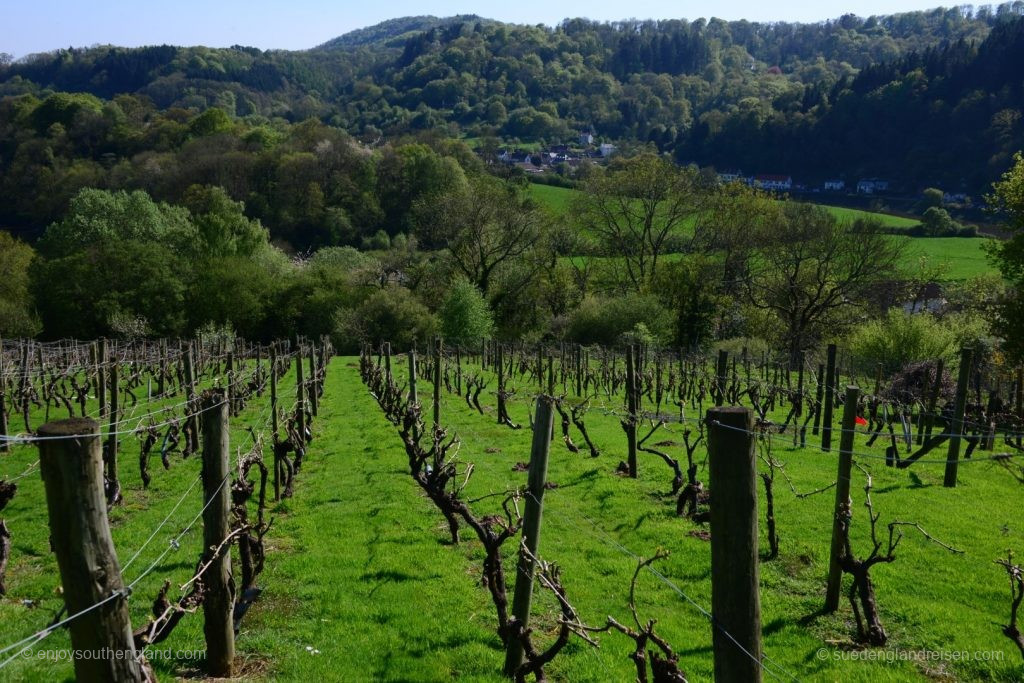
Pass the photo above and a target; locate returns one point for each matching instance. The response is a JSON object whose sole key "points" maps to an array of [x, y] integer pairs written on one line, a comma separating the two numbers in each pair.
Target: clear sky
{"points": [[28, 26]]}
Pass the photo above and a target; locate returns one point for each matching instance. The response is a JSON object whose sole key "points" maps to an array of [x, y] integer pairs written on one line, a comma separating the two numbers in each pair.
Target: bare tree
{"points": [[811, 269], [634, 210], [484, 227]]}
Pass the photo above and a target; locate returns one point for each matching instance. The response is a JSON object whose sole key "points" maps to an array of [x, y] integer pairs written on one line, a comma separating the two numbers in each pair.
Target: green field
{"points": [[361, 584], [965, 257]]}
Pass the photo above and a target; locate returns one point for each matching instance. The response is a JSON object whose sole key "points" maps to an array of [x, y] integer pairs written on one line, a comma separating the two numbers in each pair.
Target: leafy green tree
{"points": [[100, 217], [938, 223], [932, 197], [222, 226], [81, 294], [17, 314], [465, 315], [1008, 195]]}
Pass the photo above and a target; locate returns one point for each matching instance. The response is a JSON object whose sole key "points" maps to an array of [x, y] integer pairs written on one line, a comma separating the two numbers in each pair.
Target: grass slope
{"points": [[965, 257], [358, 565]]}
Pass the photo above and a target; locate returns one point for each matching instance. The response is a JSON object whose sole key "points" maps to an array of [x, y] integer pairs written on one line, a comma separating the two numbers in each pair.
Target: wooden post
{"points": [[72, 471], [933, 400], [5, 447], [218, 604], [274, 419], [956, 425], [112, 433], [830, 392], [300, 392], [192, 422], [842, 506], [798, 407], [413, 393], [720, 371], [631, 420], [231, 384], [314, 397], [735, 601], [438, 348], [542, 426], [101, 378]]}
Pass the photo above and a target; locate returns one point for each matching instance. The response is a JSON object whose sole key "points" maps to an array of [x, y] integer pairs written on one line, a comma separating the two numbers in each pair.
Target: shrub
{"points": [[898, 339], [392, 314], [465, 315], [608, 321]]}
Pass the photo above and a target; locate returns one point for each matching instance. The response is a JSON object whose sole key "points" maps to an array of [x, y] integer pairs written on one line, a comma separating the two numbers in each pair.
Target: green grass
{"points": [[964, 257], [359, 568], [557, 199]]}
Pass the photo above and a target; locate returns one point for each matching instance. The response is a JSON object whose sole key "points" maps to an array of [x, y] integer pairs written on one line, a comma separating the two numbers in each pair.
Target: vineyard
{"points": [[496, 510]]}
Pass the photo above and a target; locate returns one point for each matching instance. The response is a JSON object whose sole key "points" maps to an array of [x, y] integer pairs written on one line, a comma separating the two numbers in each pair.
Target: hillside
{"points": [[842, 98]]}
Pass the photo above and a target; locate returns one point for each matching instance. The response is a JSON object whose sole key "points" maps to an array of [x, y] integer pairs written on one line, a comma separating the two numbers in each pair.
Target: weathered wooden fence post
{"points": [[721, 367], [101, 377], [72, 471], [218, 603], [956, 424], [632, 418], [300, 393], [112, 481], [438, 362], [842, 506], [5, 447], [542, 426], [274, 426], [830, 392], [314, 386], [735, 601]]}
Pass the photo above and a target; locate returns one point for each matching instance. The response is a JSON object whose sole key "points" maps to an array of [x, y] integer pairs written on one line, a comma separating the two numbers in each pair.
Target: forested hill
{"points": [[910, 96]]}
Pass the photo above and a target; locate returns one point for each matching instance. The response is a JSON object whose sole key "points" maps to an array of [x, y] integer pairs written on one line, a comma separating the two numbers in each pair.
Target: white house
{"points": [[835, 185], [586, 139], [778, 183], [872, 185], [731, 177], [606, 149]]}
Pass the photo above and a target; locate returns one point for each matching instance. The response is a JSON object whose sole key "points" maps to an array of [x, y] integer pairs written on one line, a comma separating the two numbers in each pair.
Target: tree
{"points": [[221, 224], [465, 315], [17, 314], [99, 217], [81, 294], [1008, 256], [938, 223], [484, 227], [812, 269], [635, 209]]}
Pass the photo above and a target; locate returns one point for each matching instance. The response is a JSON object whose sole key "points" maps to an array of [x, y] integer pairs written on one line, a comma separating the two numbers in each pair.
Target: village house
{"points": [[872, 186], [777, 183], [732, 177], [586, 139], [606, 149], [835, 185]]}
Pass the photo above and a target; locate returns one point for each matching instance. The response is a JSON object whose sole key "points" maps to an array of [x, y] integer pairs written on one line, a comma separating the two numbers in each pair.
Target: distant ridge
{"points": [[392, 29]]}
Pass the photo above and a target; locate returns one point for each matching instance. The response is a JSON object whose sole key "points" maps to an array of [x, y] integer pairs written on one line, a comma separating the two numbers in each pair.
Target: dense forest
{"points": [[939, 91]]}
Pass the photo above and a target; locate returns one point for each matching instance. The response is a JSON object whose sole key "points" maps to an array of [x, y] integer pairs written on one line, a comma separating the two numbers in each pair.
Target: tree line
{"points": [[732, 94], [649, 252]]}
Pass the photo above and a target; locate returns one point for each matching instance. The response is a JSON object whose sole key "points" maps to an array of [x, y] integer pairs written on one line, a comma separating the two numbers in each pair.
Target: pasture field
{"points": [[362, 584], [964, 256]]}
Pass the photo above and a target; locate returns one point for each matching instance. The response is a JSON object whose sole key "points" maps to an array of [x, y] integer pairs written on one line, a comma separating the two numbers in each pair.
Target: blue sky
{"points": [[41, 25]]}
